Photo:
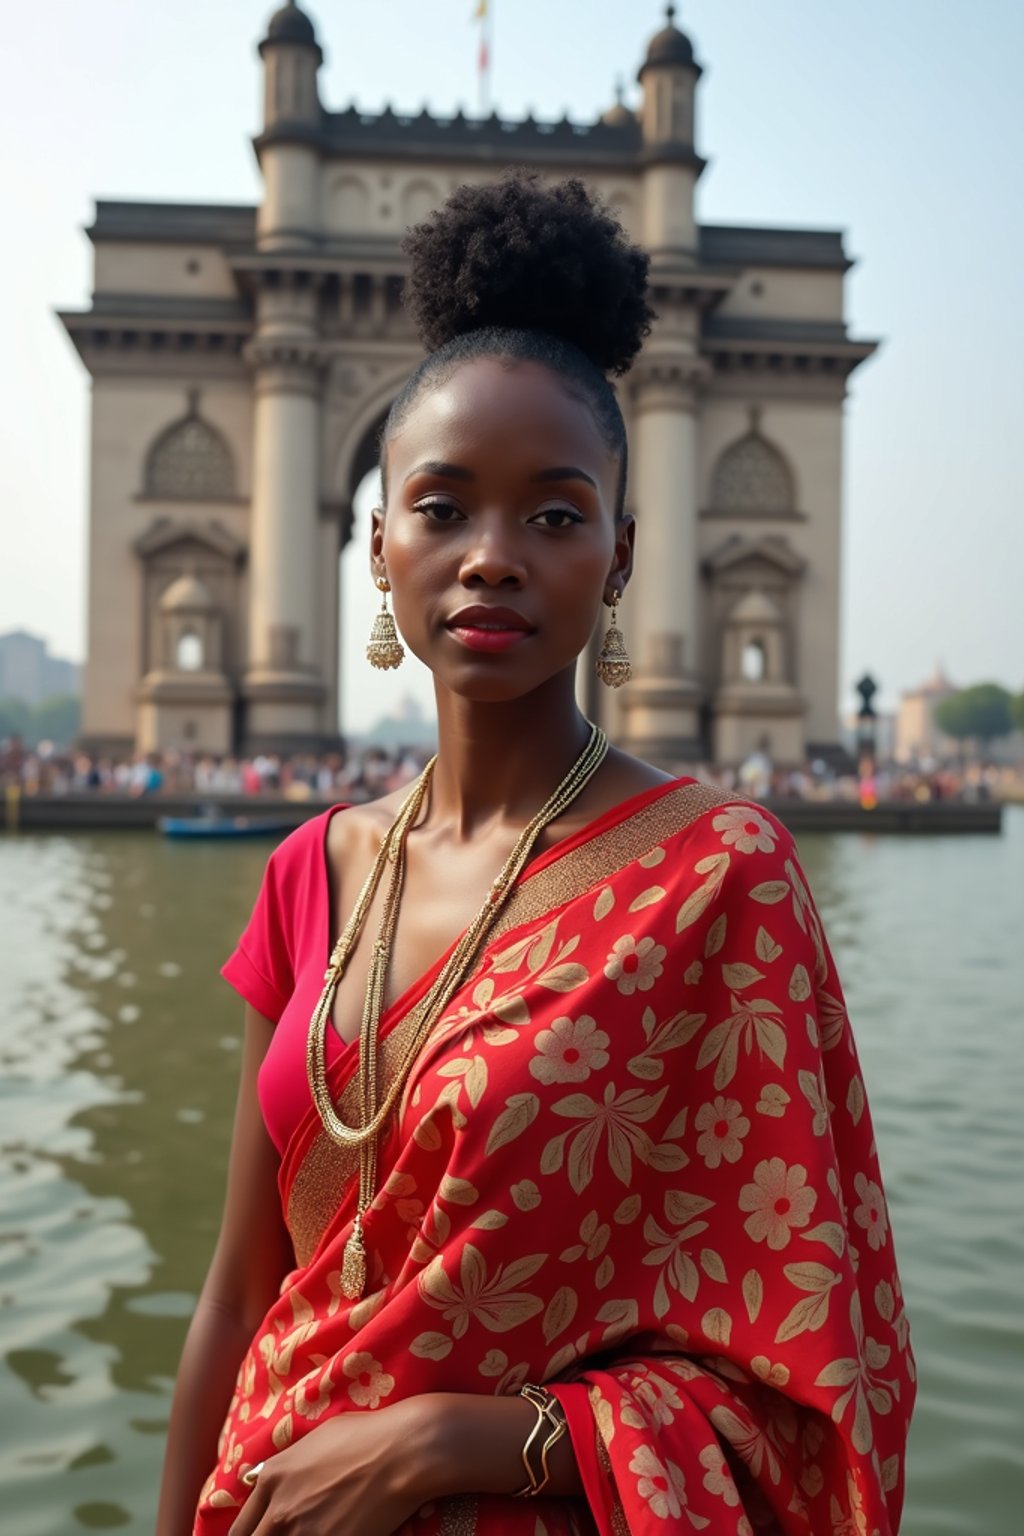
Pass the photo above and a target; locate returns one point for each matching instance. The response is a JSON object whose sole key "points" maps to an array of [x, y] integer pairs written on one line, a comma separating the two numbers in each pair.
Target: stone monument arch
{"points": [[357, 425], [287, 319]]}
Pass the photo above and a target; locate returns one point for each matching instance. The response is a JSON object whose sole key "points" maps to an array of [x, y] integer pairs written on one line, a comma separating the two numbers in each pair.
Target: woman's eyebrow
{"points": [[563, 472], [439, 467]]}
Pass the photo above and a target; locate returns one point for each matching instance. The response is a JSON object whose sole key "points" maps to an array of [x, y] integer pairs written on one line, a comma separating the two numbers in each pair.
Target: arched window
{"points": [[190, 462], [188, 656], [754, 661], [752, 476]]}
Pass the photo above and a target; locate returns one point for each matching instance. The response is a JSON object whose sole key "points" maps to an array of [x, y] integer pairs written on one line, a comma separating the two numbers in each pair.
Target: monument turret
{"points": [[668, 77], [661, 714], [284, 685], [288, 146]]}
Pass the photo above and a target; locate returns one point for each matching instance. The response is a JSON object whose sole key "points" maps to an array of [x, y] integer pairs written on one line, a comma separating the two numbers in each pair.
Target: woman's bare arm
{"points": [[252, 1256]]}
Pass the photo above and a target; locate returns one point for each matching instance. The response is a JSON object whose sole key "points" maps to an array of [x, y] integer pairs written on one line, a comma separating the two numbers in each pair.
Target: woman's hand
{"points": [[357, 1473], [366, 1473]]}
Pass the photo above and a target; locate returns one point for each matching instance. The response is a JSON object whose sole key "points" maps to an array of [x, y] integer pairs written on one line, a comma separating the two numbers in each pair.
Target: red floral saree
{"points": [[634, 1161]]}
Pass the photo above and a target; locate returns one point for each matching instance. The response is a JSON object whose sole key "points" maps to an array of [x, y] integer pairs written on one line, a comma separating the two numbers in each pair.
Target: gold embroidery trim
{"points": [[620, 1525], [603, 856], [458, 1517]]}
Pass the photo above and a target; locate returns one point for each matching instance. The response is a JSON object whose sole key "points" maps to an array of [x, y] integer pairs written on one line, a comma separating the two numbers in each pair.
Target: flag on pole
{"points": [[482, 14]]}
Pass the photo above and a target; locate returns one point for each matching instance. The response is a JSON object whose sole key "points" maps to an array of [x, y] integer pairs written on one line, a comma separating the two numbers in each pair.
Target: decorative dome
{"points": [[187, 594], [938, 684], [620, 115], [755, 607], [290, 25], [669, 46]]}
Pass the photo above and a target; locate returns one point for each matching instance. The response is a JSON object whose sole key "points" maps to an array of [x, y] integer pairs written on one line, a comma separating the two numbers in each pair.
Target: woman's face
{"points": [[499, 536]]}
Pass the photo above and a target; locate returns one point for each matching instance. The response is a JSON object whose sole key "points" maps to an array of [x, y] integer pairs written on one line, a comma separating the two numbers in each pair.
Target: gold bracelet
{"points": [[550, 1413]]}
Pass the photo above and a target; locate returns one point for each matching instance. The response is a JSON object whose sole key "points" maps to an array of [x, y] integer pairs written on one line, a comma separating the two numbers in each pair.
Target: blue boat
{"points": [[217, 825]]}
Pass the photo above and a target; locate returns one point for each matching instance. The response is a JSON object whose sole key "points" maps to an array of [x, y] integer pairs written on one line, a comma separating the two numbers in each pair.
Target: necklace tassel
{"points": [[353, 1264]]}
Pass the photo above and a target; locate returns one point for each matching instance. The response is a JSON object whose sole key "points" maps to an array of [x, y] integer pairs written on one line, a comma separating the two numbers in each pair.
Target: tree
{"points": [[58, 719], [15, 719], [1017, 711], [980, 713]]}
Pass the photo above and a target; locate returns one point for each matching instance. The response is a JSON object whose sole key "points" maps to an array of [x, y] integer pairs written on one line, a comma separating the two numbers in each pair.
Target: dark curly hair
{"points": [[518, 270]]}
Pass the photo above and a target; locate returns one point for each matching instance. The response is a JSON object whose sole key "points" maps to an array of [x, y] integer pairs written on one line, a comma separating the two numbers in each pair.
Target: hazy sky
{"points": [[899, 121]]}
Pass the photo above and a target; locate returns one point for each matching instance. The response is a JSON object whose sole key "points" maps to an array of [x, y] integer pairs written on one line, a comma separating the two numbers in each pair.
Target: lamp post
{"points": [[867, 720], [867, 743]]}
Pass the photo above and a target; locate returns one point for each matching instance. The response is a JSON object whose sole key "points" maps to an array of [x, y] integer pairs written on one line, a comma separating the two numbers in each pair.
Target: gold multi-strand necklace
{"points": [[373, 1109]]}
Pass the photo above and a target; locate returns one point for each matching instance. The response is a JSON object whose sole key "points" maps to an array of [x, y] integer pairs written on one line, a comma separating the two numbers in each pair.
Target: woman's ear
{"points": [[622, 561], [377, 568]]}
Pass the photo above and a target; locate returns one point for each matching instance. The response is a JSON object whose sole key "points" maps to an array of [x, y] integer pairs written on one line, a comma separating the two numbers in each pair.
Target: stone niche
{"points": [[191, 667], [756, 705]]}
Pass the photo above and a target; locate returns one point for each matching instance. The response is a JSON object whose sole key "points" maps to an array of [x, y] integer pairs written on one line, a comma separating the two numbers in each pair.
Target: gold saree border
{"points": [[620, 1525], [458, 1516], [602, 856], [327, 1171]]}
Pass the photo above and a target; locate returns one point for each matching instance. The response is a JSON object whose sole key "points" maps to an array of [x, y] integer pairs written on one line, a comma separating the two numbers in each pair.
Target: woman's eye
{"points": [[557, 517], [439, 511]]}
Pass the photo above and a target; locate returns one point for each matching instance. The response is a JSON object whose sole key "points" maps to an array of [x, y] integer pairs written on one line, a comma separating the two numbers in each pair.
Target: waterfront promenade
{"points": [[109, 811]]}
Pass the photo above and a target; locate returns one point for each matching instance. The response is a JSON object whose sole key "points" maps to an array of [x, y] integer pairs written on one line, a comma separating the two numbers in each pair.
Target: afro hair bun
{"points": [[518, 255]]}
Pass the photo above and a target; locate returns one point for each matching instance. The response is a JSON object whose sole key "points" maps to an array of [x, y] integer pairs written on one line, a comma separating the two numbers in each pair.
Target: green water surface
{"points": [[119, 1049]]}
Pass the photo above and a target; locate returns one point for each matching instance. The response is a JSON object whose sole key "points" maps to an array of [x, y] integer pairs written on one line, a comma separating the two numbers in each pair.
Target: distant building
{"points": [[244, 358], [409, 726], [918, 739], [28, 671]]}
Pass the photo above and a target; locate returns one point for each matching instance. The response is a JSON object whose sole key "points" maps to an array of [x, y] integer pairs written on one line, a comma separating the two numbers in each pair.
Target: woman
{"points": [[587, 1209]]}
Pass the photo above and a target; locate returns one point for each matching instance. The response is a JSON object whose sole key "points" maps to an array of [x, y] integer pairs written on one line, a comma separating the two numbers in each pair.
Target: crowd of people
{"points": [[362, 774], [367, 772]]}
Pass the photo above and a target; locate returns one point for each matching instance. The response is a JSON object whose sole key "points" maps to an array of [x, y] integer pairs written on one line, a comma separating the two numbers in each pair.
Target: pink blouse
{"points": [[278, 966]]}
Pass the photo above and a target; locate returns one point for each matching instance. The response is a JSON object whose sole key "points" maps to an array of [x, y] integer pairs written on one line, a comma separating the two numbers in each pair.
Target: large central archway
{"points": [[366, 697]]}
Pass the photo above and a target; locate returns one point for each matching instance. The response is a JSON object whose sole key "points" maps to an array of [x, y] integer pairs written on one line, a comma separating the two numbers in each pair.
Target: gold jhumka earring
{"points": [[385, 650], [613, 665]]}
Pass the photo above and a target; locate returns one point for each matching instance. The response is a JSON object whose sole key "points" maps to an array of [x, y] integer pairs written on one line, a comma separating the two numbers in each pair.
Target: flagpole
{"points": [[485, 13]]}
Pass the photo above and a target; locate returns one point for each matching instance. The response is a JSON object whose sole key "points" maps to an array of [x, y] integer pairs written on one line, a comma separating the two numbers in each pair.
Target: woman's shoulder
{"points": [[684, 802], [303, 844], [716, 824], [363, 825]]}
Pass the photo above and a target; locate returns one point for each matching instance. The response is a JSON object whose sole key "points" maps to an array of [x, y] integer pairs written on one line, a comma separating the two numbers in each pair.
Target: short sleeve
{"points": [[261, 967]]}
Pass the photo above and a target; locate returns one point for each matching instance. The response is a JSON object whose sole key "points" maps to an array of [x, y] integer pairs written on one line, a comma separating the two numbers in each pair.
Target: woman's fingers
{"points": [[251, 1515]]}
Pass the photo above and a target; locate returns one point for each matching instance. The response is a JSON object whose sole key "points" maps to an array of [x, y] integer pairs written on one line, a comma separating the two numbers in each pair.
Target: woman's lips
{"points": [[483, 628], [480, 639]]}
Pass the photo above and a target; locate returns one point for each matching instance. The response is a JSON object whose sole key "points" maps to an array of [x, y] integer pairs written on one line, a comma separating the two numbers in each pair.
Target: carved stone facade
{"points": [[243, 360]]}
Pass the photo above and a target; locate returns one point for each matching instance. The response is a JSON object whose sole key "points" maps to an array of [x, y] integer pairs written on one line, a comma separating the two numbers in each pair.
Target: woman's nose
{"points": [[493, 559]]}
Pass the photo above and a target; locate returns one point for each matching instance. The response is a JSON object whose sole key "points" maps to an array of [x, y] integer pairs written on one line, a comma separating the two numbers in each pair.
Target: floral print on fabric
{"points": [[634, 967], [569, 1051], [780, 1200], [636, 1162]]}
